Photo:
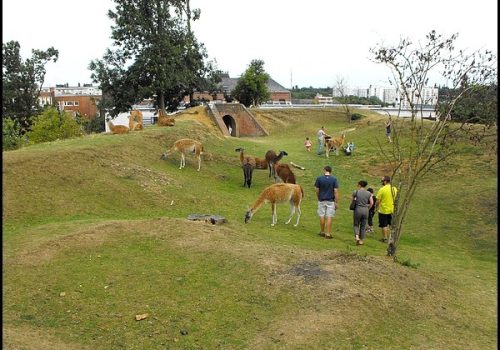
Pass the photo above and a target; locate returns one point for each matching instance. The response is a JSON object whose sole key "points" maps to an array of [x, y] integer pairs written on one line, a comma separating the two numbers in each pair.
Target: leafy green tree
{"points": [[477, 105], [309, 92], [430, 146], [155, 54], [52, 125], [11, 134], [251, 88], [22, 82]]}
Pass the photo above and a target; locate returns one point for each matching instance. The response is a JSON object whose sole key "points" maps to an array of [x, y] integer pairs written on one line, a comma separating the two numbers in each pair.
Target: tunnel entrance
{"points": [[230, 124]]}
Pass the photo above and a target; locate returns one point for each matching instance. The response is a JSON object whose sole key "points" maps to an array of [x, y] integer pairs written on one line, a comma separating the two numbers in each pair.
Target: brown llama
{"points": [[259, 163], [334, 144], [248, 167], [185, 146], [284, 173], [163, 120], [117, 129], [278, 193], [272, 158], [135, 120]]}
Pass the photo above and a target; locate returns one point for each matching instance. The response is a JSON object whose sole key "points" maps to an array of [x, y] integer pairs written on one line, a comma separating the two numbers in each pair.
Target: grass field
{"points": [[95, 233]]}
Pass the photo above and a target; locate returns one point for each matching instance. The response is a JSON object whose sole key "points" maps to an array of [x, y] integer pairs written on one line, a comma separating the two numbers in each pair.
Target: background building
{"points": [[79, 99], [392, 95]]}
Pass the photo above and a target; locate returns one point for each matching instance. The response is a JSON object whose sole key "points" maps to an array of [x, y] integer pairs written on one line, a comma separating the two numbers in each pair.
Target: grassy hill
{"points": [[95, 232]]}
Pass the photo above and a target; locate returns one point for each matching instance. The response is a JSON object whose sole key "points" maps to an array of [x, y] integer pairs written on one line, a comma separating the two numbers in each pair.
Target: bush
{"points": [[94, 125], [11, 134], [51, 126], [356, 116]]}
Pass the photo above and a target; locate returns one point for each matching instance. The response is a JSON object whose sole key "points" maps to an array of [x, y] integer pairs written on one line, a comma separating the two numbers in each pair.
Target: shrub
{"points": [[52, 125], [11, 134], [356, 116], [94, 125]]}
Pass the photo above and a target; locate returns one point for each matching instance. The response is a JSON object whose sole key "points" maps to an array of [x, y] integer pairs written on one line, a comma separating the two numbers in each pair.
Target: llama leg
{"points": [[199, 162], [298, 215], [273, 208], [183, 161], [292, 211]]}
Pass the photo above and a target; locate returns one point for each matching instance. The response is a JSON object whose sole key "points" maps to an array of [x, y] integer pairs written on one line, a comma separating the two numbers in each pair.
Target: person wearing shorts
{"points": [[385, 206], [327, 192]]}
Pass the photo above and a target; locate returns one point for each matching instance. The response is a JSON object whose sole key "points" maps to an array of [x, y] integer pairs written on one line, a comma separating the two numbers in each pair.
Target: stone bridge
{"points": [[237, 118]]}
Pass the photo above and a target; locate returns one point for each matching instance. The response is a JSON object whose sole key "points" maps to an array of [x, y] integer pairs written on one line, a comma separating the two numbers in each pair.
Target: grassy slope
{"points": [[101, 219]]}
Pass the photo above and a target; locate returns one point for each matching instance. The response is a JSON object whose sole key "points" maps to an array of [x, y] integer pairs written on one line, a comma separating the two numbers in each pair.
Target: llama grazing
{"points": [[117, 129], [163, 120], [272, 159], [135, 120], [334, 144], [259, 163], [185, 146], [248, 167], [278, 193], [284, 173]]}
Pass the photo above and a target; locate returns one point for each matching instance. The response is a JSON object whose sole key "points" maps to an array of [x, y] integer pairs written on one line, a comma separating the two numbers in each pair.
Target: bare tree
{"points": [[340, 89], [428, 145]]}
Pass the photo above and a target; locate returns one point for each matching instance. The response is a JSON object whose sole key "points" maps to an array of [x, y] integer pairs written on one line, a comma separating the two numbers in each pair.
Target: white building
{"points": [[392, 95]]}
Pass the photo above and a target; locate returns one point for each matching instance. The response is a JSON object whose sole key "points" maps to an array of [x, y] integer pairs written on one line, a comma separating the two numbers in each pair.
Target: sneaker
{"points": [[383, 240], [328, 236], [322, 234]]}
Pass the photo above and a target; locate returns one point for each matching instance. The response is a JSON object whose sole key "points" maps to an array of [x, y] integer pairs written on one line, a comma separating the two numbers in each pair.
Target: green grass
{"points": [[95, 233]]}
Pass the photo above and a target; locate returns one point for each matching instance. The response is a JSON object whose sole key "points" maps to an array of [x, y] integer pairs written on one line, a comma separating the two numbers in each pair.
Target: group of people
{"points": [[350, 146], [321, 135], [366, 204]]}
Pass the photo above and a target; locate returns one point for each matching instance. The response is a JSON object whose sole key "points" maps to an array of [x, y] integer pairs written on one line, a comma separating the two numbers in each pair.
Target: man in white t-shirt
{"points": [[321, 139]]}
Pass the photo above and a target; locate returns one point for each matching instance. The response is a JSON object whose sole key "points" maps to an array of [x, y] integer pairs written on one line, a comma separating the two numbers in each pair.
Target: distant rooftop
{"points": [[230, 83]]}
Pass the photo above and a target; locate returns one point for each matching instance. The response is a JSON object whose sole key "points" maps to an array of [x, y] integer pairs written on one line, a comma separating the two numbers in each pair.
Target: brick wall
{"points": [[86, 105]]}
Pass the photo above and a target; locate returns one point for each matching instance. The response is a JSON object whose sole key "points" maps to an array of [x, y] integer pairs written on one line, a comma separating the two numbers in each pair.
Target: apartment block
{"points": [[73, 99]]}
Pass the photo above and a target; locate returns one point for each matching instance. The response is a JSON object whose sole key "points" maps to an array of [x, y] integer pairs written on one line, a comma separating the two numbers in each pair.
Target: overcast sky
{"points": [[304, 43]]}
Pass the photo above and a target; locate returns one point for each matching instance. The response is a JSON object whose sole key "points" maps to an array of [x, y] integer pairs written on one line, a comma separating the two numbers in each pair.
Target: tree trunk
{"points": [[161, 102]]}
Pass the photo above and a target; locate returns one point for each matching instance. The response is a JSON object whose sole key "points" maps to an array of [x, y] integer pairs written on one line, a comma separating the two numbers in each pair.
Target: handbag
{"points": [[353, 202]]}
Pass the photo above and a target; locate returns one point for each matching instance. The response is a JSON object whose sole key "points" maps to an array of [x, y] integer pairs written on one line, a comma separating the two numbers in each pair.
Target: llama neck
{"points": [[258, 203]]}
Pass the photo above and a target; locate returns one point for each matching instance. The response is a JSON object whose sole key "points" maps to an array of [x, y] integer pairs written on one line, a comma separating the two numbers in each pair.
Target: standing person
{"points": [[388, 125], [371, 211], [308, 144], [230, 130], [321, 139], [328, 197], [385, 206], [364, 202]]}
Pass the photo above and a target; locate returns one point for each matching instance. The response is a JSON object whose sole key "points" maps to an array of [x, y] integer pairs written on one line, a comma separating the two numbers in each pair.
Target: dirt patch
{"points": [[310, 271], [93, 235], [150, 180], [26, 338]]}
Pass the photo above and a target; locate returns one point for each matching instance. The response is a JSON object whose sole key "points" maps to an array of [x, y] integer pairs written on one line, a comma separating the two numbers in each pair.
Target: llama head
{"points": [[164, 156], [284, 153], [248, 215], [241, 149]]}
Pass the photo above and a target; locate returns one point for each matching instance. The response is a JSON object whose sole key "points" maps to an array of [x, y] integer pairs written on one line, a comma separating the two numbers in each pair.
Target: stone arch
{"points": [[230, 122]]}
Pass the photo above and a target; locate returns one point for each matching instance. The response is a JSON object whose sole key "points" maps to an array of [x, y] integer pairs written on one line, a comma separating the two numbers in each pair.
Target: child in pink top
{"points": [[308, 144]]}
